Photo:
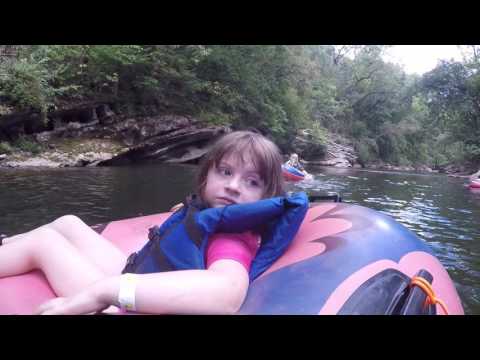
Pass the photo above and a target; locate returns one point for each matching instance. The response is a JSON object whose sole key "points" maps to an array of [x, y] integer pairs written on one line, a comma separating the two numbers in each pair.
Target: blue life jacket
{"points": [[181, 241]]}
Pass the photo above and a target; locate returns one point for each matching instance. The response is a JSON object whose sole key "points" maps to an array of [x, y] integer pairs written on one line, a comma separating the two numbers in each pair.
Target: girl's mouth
{"points": [[226, 201]]}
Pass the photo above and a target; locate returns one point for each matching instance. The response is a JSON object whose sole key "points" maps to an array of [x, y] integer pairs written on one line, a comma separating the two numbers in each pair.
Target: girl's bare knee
{"points": [[47, 236], [42, 242], [67, 221]]}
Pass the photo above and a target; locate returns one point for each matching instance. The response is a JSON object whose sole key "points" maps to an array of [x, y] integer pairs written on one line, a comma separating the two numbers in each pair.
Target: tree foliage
{"points": [[347, 90]]}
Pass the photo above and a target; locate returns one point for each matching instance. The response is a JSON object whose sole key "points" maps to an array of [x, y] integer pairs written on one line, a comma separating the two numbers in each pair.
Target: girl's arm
{"points": [[219, 290]]}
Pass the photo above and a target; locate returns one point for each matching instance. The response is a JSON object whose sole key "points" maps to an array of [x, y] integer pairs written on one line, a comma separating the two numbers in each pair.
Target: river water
{"points": [[439, 209]]}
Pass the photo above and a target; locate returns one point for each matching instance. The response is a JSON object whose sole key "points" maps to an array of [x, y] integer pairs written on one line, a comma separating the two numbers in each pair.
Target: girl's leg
{"points": [[98, 250], [66, 268], [101, 252], [6, 240]]}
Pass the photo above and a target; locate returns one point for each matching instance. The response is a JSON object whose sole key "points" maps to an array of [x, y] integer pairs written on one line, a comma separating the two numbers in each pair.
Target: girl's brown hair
{"points": [[264, 154]]}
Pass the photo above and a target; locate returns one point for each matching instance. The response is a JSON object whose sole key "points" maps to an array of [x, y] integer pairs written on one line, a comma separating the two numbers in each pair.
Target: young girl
{"points": [[89, 274], [294, 161]]}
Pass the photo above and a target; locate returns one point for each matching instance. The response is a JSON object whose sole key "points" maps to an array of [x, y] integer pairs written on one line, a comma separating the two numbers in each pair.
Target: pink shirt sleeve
{"points": [[239, 247]]}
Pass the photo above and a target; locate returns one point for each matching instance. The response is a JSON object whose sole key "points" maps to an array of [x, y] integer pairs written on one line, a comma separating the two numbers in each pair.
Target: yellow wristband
{"points": [[126, 294]]}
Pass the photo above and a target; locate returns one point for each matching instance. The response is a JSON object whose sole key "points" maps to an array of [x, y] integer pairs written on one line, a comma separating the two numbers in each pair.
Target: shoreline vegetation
{"points": [[343, 106], [89, 152]]}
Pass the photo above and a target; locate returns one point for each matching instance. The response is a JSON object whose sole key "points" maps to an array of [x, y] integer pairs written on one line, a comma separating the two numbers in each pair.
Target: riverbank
{"points": [[100, 137], [62, 153], [65, 153]]}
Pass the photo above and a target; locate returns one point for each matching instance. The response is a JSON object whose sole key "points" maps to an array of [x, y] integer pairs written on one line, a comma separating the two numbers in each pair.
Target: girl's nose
{"points": [[233, 184]]}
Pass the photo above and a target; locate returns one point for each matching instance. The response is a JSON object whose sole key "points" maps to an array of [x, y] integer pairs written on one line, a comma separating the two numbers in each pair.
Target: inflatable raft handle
{"points": [[335, 197], [415, 302], [392, 292], [431, 299]]}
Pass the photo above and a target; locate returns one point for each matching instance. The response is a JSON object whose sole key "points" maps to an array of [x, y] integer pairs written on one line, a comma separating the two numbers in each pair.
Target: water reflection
{"points": [[32, 197]]}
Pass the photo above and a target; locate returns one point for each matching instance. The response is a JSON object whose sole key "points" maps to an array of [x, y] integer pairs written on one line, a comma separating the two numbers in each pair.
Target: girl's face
{"points": [[233, 181]]}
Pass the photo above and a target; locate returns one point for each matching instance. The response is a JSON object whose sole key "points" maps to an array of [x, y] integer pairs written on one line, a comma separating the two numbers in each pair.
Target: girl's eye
{"points": [[224, 171], [253, 182]]}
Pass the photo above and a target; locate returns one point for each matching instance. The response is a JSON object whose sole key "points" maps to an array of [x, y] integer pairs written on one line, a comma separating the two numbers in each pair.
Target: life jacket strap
{"points": [[134, 261], [193, 230]]}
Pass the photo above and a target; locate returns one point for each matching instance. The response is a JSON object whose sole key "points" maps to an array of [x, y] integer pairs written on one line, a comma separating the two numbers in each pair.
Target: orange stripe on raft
{"points": [[304, 245]]}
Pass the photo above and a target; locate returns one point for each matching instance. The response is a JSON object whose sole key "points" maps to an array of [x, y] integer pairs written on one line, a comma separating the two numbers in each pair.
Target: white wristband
{"points": [[126, 294]]}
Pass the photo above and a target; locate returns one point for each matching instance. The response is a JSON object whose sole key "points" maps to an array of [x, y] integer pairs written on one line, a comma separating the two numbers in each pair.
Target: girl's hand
{"points": [[51, 306], [85, 302], [176, 207]]}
